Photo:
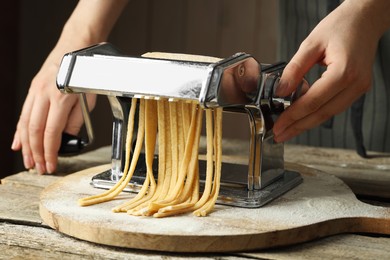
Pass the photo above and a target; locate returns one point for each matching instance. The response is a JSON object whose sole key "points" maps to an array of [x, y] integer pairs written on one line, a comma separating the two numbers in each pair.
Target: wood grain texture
{"points": [[27, 238], [366, 177], [23, 242], [331, 248], [321, 206], [31, 242], [66, 165], [20, 203]]}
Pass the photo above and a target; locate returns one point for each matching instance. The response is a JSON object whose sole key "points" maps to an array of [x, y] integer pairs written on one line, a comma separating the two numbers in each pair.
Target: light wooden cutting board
{"points": [[321, 206]]}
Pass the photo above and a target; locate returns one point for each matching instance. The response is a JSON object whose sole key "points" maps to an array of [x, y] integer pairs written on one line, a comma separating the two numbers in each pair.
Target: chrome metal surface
{"points": [[129, 76], [233, 190], [119, 129], [231, 82], [238, 84], [87, 118]]}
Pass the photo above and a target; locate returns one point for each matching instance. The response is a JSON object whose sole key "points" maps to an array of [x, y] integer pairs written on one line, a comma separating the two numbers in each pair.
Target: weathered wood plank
{"points": [[368, 177], [66, 165], [19, 204], [321, 206], [24, 242], [20, 192], [335, 247], [33, 241]]}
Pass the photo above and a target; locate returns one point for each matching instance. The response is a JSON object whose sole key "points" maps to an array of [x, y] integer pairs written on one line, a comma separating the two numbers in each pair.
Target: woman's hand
{"points": [[345, 42], [46, 112]]}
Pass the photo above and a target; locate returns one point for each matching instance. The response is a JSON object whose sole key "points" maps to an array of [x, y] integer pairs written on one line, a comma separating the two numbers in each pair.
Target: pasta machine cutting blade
{"points": [[238, 84]]}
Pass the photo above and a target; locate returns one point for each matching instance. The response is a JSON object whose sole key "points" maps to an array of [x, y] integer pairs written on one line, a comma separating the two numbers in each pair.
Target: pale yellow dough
{"points": [[176, 126]]}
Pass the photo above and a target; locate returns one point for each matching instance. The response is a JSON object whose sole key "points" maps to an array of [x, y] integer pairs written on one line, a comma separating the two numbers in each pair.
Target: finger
{"points": [[316, 97], [331, 108], [36, 129], [304, 59], [23, 134], [16, 144], [56, 121], [75, 119]]}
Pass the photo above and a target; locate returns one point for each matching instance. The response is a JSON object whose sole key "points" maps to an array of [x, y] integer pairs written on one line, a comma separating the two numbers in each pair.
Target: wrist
{"points": [[373, 13], [92, 20], [74, 35], [89, 24]]}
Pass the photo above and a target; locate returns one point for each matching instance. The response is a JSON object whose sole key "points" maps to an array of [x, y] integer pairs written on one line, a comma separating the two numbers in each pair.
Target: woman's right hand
{"points": [[46, 114]]}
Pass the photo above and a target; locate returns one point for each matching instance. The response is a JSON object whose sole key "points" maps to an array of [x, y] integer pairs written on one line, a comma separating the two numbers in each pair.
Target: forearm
{"points": [[93, 19], [373, 13], [91, 22]]}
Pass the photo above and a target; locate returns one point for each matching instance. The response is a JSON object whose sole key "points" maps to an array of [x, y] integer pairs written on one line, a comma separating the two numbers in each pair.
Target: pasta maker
{"points": [[238, 84]]}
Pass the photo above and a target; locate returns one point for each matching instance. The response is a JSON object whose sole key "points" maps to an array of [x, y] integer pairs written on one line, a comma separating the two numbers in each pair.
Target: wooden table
{"points": [[24, 236]]}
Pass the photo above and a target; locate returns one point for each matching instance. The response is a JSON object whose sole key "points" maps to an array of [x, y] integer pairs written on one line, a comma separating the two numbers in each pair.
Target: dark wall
{"points": [[9, 14]]}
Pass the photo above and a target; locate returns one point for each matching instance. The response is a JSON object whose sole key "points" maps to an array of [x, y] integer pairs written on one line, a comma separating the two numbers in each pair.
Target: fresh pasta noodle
{"points": [[176, 127], [119, 186], [178, 192], [149, 185]]}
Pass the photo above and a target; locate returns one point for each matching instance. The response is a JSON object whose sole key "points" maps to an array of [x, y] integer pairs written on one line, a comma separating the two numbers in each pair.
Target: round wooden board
{"points": [[322, 205]]}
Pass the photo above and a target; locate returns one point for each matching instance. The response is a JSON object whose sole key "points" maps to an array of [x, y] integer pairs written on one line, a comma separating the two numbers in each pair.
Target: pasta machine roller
{"points": [[238, 84]]}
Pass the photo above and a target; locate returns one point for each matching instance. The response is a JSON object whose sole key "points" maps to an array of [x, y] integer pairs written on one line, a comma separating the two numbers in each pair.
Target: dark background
{"points": [[30, 29]]}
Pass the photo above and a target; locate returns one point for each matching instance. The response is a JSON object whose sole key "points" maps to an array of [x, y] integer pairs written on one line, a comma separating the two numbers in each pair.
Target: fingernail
{"points": [[28, 162], [281, 137], [277, 139], [40, 168], [50, 167], [277, 130], [281, 88], [15, 144]]}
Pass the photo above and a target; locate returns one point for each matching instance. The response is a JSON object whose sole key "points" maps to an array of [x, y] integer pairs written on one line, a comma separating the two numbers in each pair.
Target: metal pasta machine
{"points": [[238, 84]]}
